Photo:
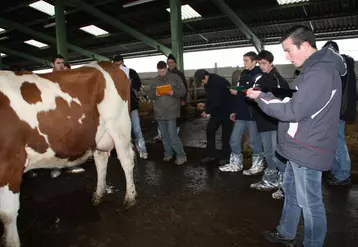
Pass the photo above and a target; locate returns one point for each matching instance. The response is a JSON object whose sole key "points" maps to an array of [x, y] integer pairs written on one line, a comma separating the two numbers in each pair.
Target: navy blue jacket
{"points": [[349, 86], [135, 87], [273, 79], [244, 107], [218, 97]]}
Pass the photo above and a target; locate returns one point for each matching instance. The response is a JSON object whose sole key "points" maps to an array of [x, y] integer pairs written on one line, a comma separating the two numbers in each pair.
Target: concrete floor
{"points": [[191, 205]]}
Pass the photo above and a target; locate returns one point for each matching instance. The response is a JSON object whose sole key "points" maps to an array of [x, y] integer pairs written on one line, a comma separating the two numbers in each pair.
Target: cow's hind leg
{"points": [[9, 206], [125, 153], [101, 161]]}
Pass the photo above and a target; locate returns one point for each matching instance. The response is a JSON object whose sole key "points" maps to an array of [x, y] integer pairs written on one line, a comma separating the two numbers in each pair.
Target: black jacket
{"points": [[182, 77], [135, 87], [218, 97], [273, 79], [243, 107], [349, 87]]}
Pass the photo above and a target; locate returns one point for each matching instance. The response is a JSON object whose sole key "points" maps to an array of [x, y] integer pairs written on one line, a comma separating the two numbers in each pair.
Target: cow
{"points": [[59, 120]]}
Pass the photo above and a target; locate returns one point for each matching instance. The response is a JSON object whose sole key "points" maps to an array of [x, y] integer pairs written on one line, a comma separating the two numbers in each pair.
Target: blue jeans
{"points": [[139, 139], [303, 191], [341, 169], [237, 133], [269, 144], [170, 138]]}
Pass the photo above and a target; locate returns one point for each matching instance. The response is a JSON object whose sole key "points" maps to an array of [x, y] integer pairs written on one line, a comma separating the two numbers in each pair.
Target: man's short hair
{"points": [[252, 55], [67, 65], [300, 34], [333, 44], [161, 65], [265, 55], [200, 75], [117, 58], [58, 56]]}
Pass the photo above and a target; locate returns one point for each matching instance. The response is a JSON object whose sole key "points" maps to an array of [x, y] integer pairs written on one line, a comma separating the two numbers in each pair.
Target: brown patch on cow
{"points": [[120, 79], [15, 134], [30, 92], [67, 136], [23, 72]]}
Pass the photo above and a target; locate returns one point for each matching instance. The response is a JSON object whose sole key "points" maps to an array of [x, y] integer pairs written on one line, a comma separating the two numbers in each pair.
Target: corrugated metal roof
{"points": [[329, 18]]}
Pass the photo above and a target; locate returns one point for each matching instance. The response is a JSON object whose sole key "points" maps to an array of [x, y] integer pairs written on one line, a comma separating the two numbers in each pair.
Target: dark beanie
{"points": [[172, 57]]}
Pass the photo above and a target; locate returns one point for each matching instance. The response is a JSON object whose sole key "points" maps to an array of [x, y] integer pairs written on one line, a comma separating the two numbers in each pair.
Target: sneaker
{"points": [[275, 237], [263, 186], [180, 161], [55, 173], [335, 182], [75, 169], [143, 156], [278, 195], [230, 168], [167, 158]]}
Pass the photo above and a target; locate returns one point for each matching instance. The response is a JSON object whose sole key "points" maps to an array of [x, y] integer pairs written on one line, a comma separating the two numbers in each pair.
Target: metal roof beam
{"points": [[26, 56], [239, 24], [24, 29], [121, 26]]}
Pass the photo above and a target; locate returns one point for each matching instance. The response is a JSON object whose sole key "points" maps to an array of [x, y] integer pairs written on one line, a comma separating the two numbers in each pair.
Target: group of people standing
{"points": [[295, 132], [298, 134]]}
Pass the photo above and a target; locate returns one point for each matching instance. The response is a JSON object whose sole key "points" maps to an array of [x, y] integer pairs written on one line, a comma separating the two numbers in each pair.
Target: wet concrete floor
{"points": [[190, 205]]}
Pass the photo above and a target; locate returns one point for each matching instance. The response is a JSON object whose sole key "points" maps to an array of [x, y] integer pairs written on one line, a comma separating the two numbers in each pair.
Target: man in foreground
{"points": [[307, 134]]}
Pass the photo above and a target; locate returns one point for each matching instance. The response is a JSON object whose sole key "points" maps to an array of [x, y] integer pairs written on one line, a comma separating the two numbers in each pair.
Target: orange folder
{"points": [[161, 90]]}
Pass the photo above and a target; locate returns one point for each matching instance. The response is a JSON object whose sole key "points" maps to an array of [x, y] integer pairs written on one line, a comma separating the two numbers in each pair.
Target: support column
{"points": [[61, 36], [176, 27]]}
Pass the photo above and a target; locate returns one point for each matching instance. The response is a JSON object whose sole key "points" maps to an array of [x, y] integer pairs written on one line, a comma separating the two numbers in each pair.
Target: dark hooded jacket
{"points": [[182, 77], [308, 127], [273, 79], [243, 106], [218, 97], [349, 89], [135, 87]]}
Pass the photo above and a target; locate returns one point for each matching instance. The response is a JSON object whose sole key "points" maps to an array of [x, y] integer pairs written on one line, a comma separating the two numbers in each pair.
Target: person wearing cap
{"points": [[167, 110], [135, 83], [242, 115], [218, 106], [172, 68], [267, 127]]}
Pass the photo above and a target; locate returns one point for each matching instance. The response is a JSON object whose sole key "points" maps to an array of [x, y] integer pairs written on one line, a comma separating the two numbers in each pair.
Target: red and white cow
{"points": [[59, 120]]}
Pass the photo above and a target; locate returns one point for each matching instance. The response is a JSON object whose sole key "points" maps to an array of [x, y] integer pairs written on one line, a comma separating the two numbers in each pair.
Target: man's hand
{"points": [[182, 102], [232, 117], [200, 106], [253, 94], [233, 91], [203, 114], [156, 93], [170, 93]]}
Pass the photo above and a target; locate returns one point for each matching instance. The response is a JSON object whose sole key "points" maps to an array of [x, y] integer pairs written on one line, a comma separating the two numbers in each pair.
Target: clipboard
{"points": [[162, 90]]}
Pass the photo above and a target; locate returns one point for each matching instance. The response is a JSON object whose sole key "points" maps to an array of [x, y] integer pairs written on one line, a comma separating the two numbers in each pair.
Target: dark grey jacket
{"points": [[167, 107], [308, 131]]}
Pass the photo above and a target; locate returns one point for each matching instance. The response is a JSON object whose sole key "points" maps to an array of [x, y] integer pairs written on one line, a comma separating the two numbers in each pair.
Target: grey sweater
{"points": [[167, 107]]}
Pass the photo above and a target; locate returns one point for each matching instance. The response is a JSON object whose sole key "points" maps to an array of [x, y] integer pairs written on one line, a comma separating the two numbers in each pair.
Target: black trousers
{"points": [[213, 125]]}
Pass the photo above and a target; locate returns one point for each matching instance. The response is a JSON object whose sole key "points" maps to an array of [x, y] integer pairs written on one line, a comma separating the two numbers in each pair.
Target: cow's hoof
{"points": [[96, 199], [128, 203]]}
